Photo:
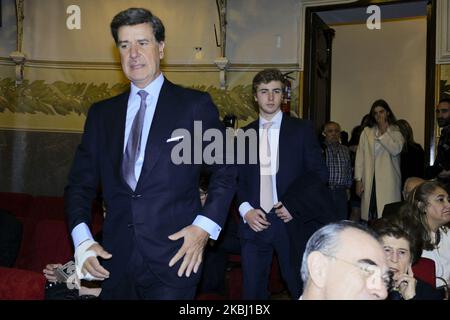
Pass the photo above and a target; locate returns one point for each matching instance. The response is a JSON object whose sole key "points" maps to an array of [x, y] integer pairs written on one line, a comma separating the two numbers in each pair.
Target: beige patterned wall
{"points": [[389, 63]]}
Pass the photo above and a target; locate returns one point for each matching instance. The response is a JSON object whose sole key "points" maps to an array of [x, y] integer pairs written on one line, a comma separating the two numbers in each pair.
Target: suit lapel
{"points": [[255, 172], [116, 131], [283, 148], [161, 128]]}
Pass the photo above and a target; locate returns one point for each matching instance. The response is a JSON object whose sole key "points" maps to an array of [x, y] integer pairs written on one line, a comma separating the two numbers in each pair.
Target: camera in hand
{"points": [[65, 272]]}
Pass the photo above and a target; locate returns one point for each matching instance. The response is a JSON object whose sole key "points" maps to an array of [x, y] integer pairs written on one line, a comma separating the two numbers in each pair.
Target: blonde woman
{"points": [[430, 208]]}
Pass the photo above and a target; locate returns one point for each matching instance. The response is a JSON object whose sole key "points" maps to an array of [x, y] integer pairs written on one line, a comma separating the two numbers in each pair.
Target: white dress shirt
{"points": [[274, 137], [441, 257]]}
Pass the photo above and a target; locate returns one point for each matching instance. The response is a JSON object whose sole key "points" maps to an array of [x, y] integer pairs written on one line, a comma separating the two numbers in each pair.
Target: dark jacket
{"points": [[166, 198], [424, 291]]}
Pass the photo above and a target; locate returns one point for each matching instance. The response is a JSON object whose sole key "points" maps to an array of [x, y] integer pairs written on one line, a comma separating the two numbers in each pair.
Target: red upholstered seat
{"points": [[47, 208], [16, 203], [46, 239], [48, 242], [19, 284], [425, 270], [26, 247], [52, 244]]}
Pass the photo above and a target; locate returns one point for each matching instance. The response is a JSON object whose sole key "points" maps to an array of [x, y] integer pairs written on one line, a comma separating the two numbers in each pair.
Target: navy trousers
{"points": [[140, 283], [339, 196], [256, 259]]}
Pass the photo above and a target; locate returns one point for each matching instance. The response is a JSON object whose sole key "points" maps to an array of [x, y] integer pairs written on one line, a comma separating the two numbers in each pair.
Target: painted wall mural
{"points": [[63, 98], [57, 98]]}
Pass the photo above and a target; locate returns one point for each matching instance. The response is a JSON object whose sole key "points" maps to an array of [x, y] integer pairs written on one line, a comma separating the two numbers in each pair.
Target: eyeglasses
{"points": [[369, 270]]}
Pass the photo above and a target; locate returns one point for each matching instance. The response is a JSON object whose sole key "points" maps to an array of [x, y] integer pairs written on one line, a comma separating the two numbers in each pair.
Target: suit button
{"points": [[130, 225], [136, 196]]}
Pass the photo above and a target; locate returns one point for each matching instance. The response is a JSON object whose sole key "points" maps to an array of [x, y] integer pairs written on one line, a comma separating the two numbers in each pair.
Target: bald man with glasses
{"points": [[344, 261]]}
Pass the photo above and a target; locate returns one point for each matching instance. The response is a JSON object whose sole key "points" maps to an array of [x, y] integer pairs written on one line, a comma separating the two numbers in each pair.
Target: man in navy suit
{"points": [[287, 151], [155, 229]]}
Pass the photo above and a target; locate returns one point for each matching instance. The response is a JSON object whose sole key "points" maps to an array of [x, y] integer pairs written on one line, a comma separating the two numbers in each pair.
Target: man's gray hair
{"points": [[326, 240]]}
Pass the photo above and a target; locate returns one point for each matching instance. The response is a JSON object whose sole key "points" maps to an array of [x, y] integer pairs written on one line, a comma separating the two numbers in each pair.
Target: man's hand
{"points": [[382, 127], [195, 239], [49, 271], [282, 212], [257, 220], [92, 265], [406, 284], [359, 188]]}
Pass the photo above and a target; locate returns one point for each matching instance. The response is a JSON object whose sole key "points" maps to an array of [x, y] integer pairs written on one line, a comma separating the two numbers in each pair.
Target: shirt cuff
{"points": [[208, 225], [244, 208], [80, 234]]}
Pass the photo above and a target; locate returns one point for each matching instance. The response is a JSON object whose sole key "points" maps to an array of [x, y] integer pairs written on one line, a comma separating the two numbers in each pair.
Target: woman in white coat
{"points": [[377, 164]]}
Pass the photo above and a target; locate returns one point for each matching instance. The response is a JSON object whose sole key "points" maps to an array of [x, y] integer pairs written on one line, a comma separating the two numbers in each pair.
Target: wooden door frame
{"points": [[430, 84], [308, 84]]}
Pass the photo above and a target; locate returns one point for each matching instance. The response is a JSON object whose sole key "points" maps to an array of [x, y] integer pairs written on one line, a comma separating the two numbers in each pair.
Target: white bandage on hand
{"points": [[81, 254]]}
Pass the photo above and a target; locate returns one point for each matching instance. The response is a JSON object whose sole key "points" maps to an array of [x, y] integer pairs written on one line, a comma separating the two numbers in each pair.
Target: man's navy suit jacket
{"points": [[301, 184], [166, 198], [298, 152]]}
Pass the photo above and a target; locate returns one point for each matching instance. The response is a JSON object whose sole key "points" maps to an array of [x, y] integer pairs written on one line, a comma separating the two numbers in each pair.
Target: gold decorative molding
{"points": [[46, 130], [443, 32], [77, 65], [6, 62]]}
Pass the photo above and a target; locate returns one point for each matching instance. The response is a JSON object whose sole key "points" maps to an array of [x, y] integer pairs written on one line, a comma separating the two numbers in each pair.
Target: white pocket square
{"points": [[175, 139]]}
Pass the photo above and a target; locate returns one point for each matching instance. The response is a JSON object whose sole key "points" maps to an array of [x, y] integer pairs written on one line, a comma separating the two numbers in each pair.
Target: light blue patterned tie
{"points": [[266, 184], [134, 143]]}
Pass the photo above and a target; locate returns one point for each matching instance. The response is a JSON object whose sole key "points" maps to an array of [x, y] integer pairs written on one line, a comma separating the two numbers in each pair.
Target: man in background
{"points": [[287, 149], [392, 209], [339, 166], [441, 166]]}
